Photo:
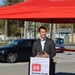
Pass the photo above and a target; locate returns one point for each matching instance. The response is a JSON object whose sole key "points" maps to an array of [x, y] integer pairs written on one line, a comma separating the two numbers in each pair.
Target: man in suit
{"points": [[44, 47]]}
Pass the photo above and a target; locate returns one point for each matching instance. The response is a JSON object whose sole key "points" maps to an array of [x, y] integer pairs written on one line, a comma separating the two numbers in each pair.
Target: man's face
{"points": [[42, 33]]}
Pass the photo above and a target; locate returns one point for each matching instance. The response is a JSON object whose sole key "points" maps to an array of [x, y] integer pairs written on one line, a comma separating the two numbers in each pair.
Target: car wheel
{"points": [[11, 58]]}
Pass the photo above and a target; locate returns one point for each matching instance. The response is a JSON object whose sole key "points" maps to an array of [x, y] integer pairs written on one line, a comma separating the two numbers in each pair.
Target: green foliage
{"points": [[10, 2], [46, 25], [68, 26], [15, 1], [13, 28], [74, 27], [2, 25], [2, 44], [65, 25]]}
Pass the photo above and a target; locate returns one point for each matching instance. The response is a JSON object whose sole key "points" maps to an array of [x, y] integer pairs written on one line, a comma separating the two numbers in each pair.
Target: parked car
{"points": [[59, 48], [59, 45], [16, 50]]}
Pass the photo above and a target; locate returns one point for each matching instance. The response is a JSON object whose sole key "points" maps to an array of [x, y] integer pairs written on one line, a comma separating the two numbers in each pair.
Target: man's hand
{"points": [[38, 55], [45, 55]]}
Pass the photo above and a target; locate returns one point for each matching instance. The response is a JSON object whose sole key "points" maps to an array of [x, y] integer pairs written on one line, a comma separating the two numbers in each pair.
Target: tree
{"points": [[13, 28], [67, 25], [2, 23], [10, 2]]}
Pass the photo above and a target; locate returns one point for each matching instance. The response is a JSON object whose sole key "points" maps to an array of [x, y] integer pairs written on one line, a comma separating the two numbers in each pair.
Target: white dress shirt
{"points": [[43, 43]]}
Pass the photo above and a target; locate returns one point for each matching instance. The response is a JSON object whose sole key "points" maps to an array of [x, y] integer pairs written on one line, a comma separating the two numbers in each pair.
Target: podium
{"points": [[39, 66]]}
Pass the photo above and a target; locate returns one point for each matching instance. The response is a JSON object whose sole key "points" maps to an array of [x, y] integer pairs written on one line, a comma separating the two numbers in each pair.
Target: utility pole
{"points": [[5, 32], [21, 32], [72, 33], [36, 29], [54, 31], [58, 30], [6, 22], [51, 30], [33, 30], [25, 28]]}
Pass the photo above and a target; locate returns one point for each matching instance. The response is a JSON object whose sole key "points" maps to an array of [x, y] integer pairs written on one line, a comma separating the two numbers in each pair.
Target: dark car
{"points": [[16, 50]]}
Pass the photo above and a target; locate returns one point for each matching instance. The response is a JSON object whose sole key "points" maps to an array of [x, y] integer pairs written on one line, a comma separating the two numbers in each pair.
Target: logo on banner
{"points": [[36, 67]]}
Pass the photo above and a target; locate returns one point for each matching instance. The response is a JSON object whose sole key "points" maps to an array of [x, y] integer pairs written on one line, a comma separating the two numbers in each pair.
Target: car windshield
{"points": [[13, 43]]}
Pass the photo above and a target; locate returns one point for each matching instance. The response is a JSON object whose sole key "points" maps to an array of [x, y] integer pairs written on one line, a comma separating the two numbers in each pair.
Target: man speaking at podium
{"points": [[44, 47]]}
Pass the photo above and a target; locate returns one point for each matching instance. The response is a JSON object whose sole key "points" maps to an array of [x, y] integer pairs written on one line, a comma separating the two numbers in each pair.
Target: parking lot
{"points": [[65, 65]]}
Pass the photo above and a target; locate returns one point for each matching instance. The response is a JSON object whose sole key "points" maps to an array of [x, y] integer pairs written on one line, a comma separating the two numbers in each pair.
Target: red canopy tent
{"points": [[57, 11]]}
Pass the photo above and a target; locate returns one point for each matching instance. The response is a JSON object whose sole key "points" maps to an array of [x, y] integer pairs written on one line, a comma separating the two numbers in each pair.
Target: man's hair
{"points": [[42, 27]]}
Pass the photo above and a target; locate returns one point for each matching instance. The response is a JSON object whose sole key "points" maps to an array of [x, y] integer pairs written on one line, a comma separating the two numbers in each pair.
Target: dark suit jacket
{"points": [[49, 48]]}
